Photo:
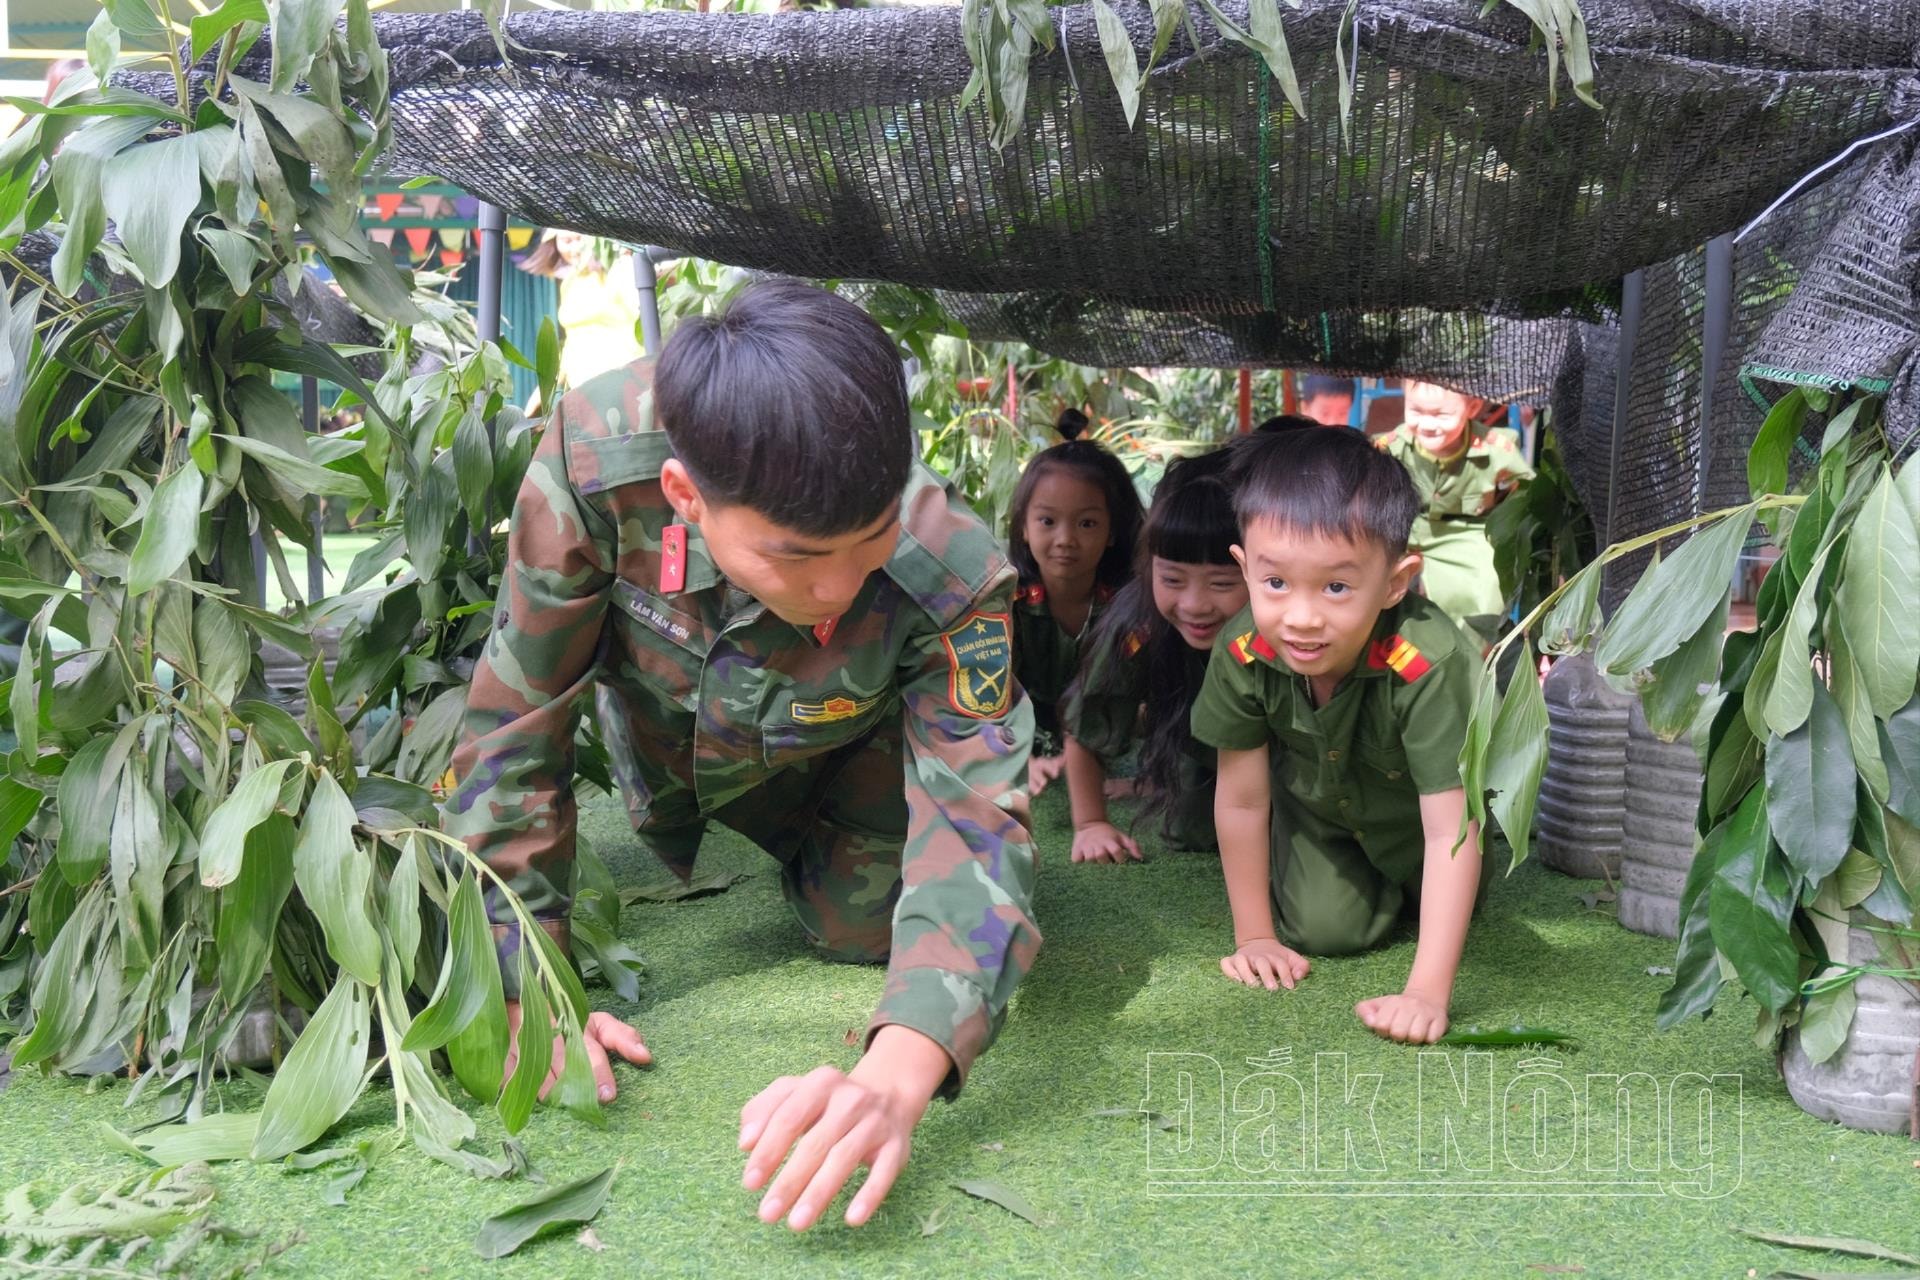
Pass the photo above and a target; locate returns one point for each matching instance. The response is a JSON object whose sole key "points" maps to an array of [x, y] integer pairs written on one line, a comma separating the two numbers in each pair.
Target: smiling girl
{"points": [[1075, 522], [1150, 650]]}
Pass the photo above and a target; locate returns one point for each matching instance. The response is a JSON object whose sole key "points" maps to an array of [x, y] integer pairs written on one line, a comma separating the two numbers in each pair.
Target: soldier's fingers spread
{"points": [[1230, 965], [885, 1167], [602, 1070], [858, 1146], [1133, 847], [809, 1153], [792, 1118], [753, 1116]]}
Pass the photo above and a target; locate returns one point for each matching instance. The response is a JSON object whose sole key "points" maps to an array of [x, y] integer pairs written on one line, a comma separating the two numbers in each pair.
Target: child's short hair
{"points": [[1191, 519], [791, 402], [1105, 472], [1332, 483]]}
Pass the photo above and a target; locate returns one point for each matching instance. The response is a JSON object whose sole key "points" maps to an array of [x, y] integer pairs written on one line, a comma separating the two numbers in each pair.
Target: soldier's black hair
{"points": [[1104, 472], [1191, 521], [791, 402], [1324, 480]]}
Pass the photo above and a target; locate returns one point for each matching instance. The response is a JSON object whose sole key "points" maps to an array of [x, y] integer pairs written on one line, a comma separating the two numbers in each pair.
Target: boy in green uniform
{"points": [[1461, 472], [796, 630], [1339, 703]]}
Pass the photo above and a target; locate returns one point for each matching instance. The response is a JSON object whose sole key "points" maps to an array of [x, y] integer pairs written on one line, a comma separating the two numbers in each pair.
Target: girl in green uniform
{"points": [[1074, 524], [1150, 650]]}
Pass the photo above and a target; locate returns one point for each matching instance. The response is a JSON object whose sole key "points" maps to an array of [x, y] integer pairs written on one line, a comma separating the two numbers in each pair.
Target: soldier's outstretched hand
{"points": [[1264, 962], [1409, 1017], [603, 1033]]}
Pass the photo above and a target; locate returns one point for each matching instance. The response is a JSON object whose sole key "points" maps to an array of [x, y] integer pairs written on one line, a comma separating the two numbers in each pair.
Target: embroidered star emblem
{"points": [[980, 628]]}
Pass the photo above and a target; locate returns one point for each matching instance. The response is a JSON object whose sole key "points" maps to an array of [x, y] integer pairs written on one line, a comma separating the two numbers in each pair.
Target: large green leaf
{"points": [[1900, 749], [1810, 791], [1117, 46], [305, 476], [1772, 448], [473, 466], [402, 911], [333, 872], [1749, 904], [65, 984], [149, 202], [1825, 1021], [323, 1074], [1790, 698], [169, 531], [1879, 596], [1676, 596], [250, 906], [1679, 682], [463, 992], [226, 1136], [1517, 755], [566, 1206], [89, 794], [1850, 694], [1696, 967], [1570, 625], [223, 843], [299, 30], [319, 134], [534, 1045], [206, 30]]}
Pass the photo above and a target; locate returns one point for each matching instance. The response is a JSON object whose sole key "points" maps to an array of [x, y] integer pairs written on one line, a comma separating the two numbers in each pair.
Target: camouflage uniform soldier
{"points": [[793, 629], [1461, 475]]}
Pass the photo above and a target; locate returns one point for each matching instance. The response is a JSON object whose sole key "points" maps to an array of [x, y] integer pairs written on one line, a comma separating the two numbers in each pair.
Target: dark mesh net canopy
{"points": [[1465, 230]]}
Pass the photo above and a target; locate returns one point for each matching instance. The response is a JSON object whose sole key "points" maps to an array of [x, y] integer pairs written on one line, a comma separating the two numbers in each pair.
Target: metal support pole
{"points": [[1713, 353], [310, 419], [493, 257], [1632, 294], [1246, 400], [647, 281]]}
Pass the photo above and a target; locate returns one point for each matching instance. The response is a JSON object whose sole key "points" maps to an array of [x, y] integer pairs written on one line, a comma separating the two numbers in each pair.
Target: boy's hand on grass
{"points": [[1264, 962], [825, 1125], [603, 1032], [1104, 842], [1408, 1017]]}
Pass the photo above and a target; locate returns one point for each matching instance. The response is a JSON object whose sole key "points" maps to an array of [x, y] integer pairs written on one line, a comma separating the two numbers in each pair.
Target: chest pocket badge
{"points": [[980, 665]]}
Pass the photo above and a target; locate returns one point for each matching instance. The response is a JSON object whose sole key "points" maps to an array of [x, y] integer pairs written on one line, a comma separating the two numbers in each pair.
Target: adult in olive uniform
{"points": [[1339, 702], [794, 629], [1462, 472]]}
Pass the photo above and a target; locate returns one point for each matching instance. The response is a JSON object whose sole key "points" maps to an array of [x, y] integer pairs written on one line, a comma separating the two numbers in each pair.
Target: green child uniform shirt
{"points": [[1457, 495], [1046, 656], [1346, 842], [881, 757], [1102, 710]]}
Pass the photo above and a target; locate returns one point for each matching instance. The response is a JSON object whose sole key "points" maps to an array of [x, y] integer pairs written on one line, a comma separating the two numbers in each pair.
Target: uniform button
{"points": [[1393, 775], [1346, 804], [1334, 754]]}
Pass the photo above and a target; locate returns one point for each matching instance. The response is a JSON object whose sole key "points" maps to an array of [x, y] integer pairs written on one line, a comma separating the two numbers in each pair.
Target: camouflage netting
{"points": [[1471, 232]]}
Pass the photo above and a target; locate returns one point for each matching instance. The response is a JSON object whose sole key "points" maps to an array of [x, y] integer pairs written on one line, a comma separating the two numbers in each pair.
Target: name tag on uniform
{"points": [[673, 558]]}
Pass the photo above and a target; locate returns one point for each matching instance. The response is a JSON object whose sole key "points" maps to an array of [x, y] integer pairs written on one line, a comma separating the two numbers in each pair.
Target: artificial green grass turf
{"points": [[733, 998]]}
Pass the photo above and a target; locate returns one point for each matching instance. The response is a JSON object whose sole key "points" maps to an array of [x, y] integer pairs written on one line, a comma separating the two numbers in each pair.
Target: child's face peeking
{"points": [[1068, 528], [1316, 598], [1438, 417], [1197, 599]]}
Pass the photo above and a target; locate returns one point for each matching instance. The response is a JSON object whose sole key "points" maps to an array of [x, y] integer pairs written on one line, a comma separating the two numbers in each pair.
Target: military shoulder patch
{"points": [[1397, 654], [1245, 648], [827, 712], [1136, 641], [980, 665], [1032, 593]]}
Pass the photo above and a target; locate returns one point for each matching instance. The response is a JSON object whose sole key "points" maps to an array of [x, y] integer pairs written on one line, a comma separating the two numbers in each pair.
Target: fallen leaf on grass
{"points": [[932, 1222], [588, 1240], [1154, 1118], [852, 1037], [228, 1136], [1659, 971], [674, 891], [1595, 899], [576, 1203], [1516, 1034], [1010, 1200], [993, 1146], [1832, 1244]]}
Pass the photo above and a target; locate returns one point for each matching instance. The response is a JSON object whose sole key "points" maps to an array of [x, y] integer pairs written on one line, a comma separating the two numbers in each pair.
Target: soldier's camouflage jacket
{"points": [[721, 697]]}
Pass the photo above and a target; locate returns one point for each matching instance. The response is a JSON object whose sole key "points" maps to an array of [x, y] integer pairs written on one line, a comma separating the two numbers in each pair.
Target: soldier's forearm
{"points": [[1086, 783], [1449, 882]]}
